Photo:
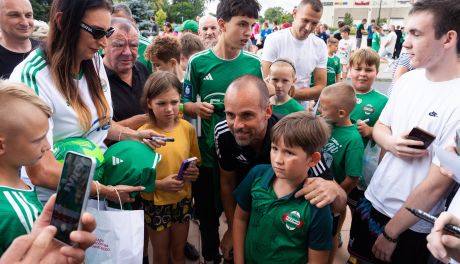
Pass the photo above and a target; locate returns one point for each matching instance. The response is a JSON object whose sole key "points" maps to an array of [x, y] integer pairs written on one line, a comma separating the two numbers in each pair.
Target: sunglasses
{"points": [[96, 32]]}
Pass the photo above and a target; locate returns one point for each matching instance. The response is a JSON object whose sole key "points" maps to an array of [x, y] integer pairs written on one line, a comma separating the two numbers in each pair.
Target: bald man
{"points": [[16, 25], [208, 31]]}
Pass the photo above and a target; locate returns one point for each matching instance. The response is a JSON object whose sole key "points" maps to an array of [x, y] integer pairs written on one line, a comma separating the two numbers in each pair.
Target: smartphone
{"points": [[72, 195], [185, 164], [421, 135], [165, 139]]}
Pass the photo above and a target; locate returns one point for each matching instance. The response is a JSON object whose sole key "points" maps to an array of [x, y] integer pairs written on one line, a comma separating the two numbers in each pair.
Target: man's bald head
{"points": [[247, 84], [16, 20]]}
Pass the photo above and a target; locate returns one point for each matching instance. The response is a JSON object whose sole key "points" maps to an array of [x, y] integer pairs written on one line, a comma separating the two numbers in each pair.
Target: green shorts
{"points": [[160, 217]]}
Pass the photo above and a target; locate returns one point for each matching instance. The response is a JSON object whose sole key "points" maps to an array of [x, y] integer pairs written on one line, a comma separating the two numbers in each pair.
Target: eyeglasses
{"points": [[96, 32]]}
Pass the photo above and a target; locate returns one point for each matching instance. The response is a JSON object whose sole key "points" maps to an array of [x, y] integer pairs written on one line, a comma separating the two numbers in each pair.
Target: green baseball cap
{"points": [[189, 25], [131, 163]]}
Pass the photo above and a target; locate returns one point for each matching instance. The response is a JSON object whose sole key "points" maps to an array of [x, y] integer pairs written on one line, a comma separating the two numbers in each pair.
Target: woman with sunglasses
{"points": [[68, 74], [167, 30]]}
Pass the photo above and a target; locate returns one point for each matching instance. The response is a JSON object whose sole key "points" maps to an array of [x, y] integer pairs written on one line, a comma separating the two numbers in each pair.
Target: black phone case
{"points": [[421, 135]]}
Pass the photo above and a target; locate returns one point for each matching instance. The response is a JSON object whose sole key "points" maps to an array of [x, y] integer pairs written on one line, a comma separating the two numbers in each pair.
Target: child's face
{"points": [[282, 77], [333, 47], [329, 110], [165, 106], [27, 145], [291, 163], [362, 77], [160, 65], [237, 31]]}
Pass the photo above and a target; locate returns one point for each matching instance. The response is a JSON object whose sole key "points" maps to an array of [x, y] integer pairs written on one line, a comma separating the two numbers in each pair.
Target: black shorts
{"points": [[368, 223], [354, 197]]}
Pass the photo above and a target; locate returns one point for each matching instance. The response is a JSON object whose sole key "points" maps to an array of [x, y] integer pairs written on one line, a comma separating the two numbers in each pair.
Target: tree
{"points": [[160, 18], [274, 13], [41, 9], [181, 10], [348, 19], [142, 12]]}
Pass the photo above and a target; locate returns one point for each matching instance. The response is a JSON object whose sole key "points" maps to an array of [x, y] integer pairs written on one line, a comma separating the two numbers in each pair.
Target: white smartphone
{"points": [[72, 195]]}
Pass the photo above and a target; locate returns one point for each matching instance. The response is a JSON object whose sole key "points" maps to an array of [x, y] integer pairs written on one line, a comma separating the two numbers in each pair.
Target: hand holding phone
{"points": [[185, 164], [72, 195], [421, 135]]}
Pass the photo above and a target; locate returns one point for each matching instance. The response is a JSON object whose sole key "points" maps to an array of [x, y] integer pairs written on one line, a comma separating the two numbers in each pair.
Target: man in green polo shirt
{"points": [[271, 225]]}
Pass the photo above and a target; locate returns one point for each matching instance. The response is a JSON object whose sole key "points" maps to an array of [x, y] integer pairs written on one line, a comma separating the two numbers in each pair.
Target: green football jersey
{"points": [[368, 106], [376, 41], [333, 68], [143, 44], [280, 230], [344, 152], [18, 211], [209, 76], [290, 106]]}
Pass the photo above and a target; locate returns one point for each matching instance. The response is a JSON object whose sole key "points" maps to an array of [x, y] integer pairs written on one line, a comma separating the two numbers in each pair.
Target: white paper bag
{"points": [[119, 235]]}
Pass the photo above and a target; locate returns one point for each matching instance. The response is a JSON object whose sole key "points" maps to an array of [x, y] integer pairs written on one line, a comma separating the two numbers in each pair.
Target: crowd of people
{"points": [[284, 122]]}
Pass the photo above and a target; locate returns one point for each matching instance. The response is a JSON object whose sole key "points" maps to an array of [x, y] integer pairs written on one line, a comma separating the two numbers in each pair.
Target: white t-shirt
{"points": [[34, 72], [391, 39], [432, 106], [307, 54], [344, 50]]}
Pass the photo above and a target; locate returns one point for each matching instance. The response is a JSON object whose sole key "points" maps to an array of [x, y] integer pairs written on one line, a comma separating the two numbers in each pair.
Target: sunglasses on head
{"points": [[96, 32]]}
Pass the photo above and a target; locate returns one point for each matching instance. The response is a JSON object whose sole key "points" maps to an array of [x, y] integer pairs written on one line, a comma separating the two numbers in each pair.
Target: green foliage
{"points": [[278, 14], [160, 18], [348, 19], [181, 10], [41, 9]]}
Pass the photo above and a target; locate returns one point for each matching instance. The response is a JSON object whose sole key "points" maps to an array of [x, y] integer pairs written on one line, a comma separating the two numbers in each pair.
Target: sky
{"points": [[287, 5]]}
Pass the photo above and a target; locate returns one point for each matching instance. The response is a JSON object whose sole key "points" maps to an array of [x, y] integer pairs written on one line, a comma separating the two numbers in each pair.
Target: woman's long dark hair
{"points": [[61, 55]]}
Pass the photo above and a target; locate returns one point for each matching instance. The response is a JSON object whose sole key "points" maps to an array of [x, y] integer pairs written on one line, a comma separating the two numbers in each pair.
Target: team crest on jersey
{"points": [[292, 220], [104, 85], [188, 90], [368, 109], [359, 100]]}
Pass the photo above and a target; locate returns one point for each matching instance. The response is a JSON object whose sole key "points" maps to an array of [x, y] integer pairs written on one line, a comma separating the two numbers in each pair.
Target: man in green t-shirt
{"points": [[207, 77]]}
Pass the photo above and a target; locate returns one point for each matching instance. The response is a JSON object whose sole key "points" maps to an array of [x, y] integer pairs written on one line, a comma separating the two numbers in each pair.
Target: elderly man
{"points": [[123, 11], [16, 24], [126, 75], [208, 31], [243, 141]]}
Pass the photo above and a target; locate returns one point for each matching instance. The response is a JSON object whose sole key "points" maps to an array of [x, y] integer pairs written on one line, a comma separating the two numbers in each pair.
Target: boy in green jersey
{"points": [[333, 62], [207, 76], [270, 224], [377, 30], [22, 143]]}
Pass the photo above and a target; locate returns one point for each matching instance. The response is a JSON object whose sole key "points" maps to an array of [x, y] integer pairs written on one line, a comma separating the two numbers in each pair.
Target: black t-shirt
{"points": [[233, 157], [126, 99], [358, 31], [10, 59]]}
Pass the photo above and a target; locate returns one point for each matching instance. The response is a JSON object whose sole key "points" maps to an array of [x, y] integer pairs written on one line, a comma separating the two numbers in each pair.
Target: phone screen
{"points": [[72, 194]]}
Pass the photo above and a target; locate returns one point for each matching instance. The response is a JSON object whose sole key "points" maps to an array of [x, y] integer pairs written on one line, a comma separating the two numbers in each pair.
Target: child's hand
{"points": [[191, 173], [364, 129], [204, 110], [169, 184]]}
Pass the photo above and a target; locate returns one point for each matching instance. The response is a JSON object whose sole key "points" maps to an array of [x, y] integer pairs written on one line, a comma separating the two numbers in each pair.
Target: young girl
{"points": [[282, 76], [167, 210]]}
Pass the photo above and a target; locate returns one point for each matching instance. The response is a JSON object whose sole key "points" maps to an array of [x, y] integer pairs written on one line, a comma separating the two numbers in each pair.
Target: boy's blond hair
{"points": [[11, 91], [302, 129], [286, 63], [365, 55], [342, 94]]}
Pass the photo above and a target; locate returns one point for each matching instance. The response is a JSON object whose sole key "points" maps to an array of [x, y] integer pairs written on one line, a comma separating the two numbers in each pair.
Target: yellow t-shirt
{"points": [[172, 154]]}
